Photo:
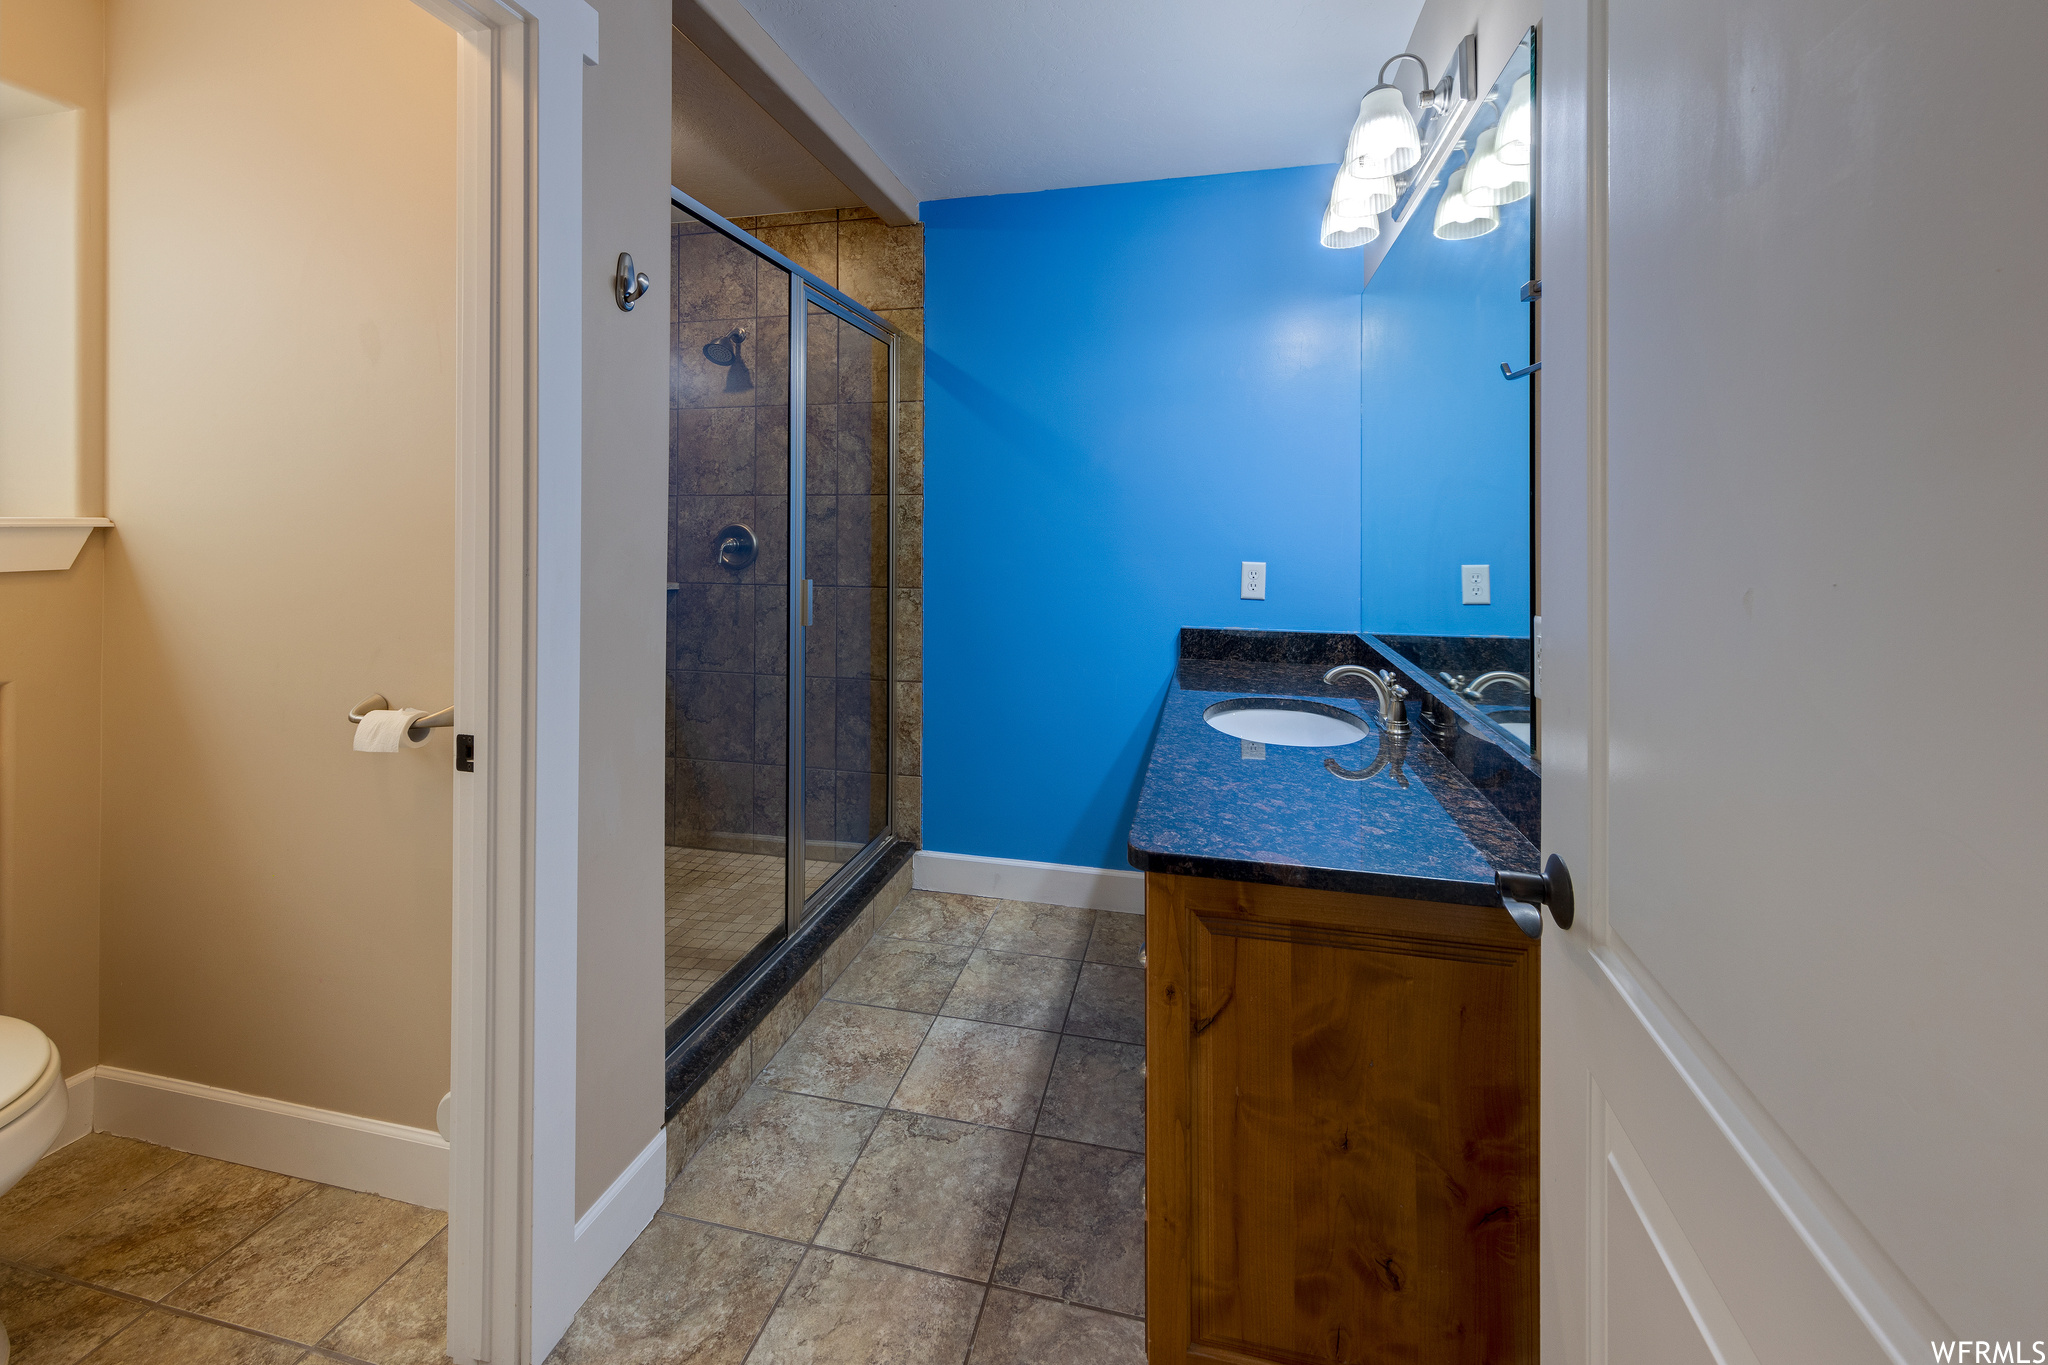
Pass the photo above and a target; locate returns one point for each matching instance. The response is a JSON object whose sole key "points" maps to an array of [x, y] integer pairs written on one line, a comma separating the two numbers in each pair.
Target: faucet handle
{"points": [[1387, 677]]}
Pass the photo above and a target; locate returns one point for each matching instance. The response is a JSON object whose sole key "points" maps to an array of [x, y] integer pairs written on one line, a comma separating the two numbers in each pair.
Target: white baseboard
{"points": [[609, 1226], [1013, 879], [78, 1092], [292, 1139]]}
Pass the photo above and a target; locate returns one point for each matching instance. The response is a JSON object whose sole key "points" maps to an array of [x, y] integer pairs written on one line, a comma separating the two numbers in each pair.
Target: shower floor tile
{"points": [[719, 905]]}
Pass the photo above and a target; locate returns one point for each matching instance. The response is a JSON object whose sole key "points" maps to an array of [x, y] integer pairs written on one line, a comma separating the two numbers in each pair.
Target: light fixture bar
{"points": [[1454, 102]]}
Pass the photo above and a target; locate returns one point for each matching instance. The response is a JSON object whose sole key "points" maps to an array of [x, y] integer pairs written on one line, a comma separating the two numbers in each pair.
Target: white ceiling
{"points": [[1005, 96]]}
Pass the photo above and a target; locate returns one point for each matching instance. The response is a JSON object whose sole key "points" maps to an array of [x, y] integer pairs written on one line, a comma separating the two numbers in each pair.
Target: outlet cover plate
{"points": [[1478, 581]]}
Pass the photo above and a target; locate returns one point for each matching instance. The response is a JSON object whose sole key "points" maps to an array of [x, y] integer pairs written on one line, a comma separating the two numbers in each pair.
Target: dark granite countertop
{"points": [[1212, 807]]}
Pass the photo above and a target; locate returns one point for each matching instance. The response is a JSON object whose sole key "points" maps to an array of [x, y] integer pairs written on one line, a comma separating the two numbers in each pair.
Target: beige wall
{"points": [[625, 552], [280, 457], [50, 623], [50, 802]]}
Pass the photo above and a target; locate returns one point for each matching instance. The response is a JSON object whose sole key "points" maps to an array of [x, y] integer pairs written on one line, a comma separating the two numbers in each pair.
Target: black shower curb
{"points": [[699, 1054]]}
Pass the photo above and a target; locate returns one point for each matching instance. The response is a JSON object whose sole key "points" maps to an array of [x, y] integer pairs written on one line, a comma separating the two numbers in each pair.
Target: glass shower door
{"points": [[728, 616], [780, 560], [848, 516]]}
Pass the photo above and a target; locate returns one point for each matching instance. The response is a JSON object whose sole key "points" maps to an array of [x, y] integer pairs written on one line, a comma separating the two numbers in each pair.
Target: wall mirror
{"points": [[1449, 337]]}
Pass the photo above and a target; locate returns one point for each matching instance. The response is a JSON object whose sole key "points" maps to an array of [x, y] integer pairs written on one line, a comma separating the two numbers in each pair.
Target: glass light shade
{"points": [[1513, 141], [1361, 196], [1458, 218], [1383, 141], [1489, 181], [1340, 231]]}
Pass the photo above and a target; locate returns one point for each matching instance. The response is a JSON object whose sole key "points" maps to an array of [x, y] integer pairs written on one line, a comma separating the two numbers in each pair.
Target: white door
{"points": [[1795, 560]]}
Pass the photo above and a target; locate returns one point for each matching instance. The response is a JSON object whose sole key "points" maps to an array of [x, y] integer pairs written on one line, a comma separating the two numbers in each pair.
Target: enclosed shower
{"points": [[782, 447]]}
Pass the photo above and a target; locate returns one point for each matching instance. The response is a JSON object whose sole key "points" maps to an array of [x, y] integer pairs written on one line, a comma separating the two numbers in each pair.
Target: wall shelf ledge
{"points": [[43, 544]]}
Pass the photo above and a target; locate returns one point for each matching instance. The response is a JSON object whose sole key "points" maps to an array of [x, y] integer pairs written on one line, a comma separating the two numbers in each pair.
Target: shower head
{"points": [[726, 349]]}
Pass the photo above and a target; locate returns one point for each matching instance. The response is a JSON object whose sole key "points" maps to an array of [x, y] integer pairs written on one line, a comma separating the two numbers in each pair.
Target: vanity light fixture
{"points": [[1513, 140], [1386, 154], [1361, 196], [1383, 143], [1457, 217], [1384, 140], [1340, 230], [1356, 202], [1491, 181]]}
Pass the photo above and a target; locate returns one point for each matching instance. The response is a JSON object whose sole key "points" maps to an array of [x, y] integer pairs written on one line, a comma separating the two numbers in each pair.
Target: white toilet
{"points": [[32, 1106]]}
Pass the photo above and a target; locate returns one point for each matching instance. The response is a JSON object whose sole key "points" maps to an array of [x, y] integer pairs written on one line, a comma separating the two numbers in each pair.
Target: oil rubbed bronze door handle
{"points": [[1523, 894]]}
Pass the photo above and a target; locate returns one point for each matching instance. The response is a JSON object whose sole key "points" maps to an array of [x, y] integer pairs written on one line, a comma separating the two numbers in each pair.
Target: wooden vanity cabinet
{"points": [[1341, 1128]]}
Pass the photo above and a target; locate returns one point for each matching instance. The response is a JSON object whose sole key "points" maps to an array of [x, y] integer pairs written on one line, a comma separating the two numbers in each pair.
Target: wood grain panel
{"points": [[1342, 1104]]}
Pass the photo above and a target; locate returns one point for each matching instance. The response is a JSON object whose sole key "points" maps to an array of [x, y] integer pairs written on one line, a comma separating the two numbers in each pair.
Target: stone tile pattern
{"points": [[119, 1251], [728, 629], [911, 1177], [716, 1097], [719, 905]]}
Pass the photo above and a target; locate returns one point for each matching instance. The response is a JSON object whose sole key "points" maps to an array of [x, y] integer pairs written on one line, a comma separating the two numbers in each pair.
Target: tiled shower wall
{"points": [[729, 452]]}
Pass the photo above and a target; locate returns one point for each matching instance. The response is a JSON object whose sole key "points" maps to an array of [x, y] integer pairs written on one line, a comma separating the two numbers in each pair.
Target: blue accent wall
{"points": [[1446, 443], [1129, 390]]}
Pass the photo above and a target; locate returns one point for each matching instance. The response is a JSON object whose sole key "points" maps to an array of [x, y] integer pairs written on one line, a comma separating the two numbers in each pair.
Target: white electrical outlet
{"points": [[1251, 581], [1478, 581]]}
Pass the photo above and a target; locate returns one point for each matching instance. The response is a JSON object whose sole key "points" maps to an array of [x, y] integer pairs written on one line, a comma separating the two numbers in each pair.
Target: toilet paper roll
{"points": [[385, 732]]}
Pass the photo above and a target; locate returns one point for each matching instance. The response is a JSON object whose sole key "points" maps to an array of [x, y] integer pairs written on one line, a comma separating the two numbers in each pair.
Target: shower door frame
{"points": [[805, 289]]}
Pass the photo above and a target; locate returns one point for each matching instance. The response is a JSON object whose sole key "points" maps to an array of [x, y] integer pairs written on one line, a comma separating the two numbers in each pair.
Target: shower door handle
{"points": [[807, 604], [1523, 373]]}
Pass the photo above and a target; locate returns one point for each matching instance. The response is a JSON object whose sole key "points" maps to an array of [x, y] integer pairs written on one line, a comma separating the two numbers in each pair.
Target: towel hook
{"points": [[629, 286]]}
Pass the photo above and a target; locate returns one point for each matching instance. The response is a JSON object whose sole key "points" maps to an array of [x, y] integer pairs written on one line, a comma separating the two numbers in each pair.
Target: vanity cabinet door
{"points": [[1341, 1128]]}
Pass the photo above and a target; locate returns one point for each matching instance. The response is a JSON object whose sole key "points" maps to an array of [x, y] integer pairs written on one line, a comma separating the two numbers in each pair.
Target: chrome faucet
{"points": [[1484, 681], [1393, 710]]}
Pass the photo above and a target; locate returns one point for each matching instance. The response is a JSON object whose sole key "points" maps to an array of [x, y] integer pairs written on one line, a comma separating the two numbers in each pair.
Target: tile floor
{"points": [[116, 1252], [945, 1163], [719, 906]]}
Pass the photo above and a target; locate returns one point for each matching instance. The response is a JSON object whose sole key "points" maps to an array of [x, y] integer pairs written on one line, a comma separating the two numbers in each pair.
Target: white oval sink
{"points": [[1274, 720]]}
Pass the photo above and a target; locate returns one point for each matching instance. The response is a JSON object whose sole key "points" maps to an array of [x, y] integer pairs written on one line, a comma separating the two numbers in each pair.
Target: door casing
{"points": [[512, 1272]]}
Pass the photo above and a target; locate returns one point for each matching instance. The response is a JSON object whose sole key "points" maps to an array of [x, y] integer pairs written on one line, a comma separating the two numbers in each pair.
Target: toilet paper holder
{"points": [[375, 702]]}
